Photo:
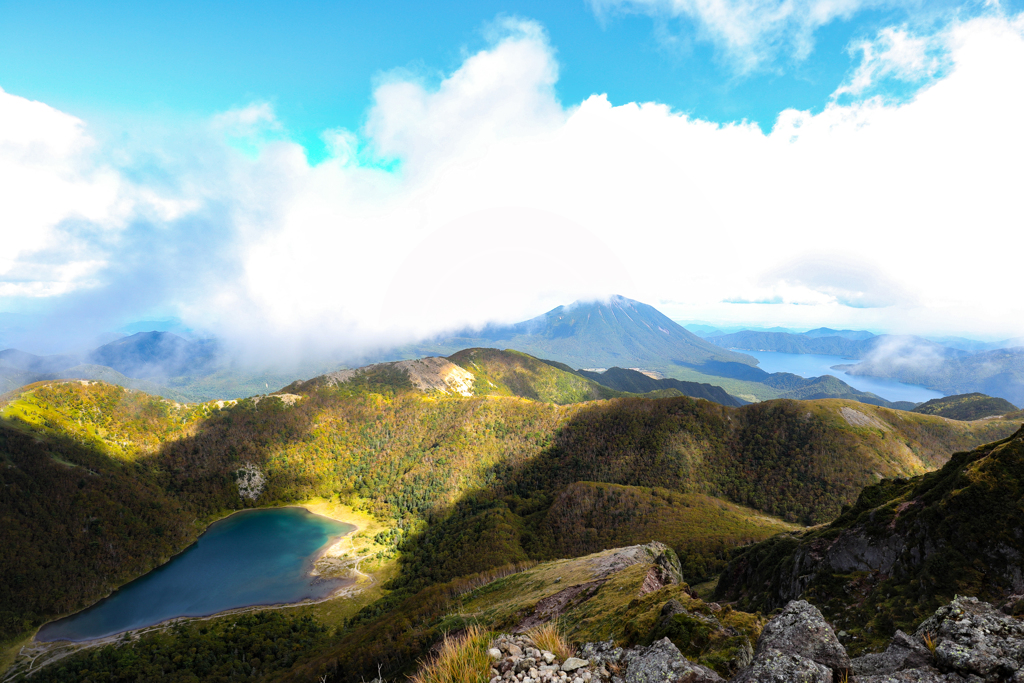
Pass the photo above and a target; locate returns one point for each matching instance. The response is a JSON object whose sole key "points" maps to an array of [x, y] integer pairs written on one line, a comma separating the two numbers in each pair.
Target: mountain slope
{"points": [[905, 547]]}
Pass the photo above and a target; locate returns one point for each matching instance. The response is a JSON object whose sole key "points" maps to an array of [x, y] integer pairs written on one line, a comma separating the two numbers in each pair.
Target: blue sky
{"points": [[270, 166], [317, 62]]}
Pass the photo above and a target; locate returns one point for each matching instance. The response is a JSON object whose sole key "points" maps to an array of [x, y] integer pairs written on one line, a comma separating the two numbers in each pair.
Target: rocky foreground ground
{"points": [[965, 641]]}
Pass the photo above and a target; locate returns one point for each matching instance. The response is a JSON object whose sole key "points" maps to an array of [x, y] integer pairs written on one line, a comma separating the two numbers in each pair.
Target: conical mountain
{"points": [[618, 332]]}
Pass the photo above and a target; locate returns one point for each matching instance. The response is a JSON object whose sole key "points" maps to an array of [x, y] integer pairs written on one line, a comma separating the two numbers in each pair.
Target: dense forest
{"points": [[100, 483]]}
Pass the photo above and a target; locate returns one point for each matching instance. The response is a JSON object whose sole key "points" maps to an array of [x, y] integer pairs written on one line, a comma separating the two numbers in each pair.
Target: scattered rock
{"points": [[574, 663]]}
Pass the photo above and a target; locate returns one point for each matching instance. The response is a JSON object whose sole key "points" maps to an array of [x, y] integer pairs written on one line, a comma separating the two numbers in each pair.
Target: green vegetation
{"points": [[231, 649], [953, 531], [966, 407], [98, 484], [587, 517], [460, 659]]}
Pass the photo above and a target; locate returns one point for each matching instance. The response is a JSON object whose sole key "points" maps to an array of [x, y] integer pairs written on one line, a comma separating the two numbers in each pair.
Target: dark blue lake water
{"points": [[813, 365], [256, 557]]}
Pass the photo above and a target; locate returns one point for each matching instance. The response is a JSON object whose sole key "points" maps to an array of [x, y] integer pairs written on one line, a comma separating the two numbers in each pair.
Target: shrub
{"points": [[549, 637], [461, 659]]}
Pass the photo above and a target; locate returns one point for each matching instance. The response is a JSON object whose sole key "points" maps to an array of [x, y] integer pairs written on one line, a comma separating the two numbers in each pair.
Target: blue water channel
{"points": [[256, 557], [814, 365]]}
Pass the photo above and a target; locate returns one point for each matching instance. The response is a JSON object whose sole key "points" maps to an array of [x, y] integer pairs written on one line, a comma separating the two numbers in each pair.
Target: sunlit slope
{"points": [[512, 373]]}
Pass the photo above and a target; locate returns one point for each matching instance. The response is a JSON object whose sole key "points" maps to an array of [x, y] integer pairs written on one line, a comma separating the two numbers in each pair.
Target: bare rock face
{"points": [[800, 630], [775, 666], [976, 641], [904, 652], [662, 662]]}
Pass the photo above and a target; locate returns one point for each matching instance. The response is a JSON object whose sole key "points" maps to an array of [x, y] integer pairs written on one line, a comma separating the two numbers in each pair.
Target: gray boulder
{"points": [[800, 630], [774, 666], [904, 652], [976, 641], [662, 662]]}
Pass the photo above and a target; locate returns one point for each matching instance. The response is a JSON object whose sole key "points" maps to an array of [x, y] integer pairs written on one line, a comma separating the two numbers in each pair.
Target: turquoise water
{"points": [[256, 557], [814, 365]]}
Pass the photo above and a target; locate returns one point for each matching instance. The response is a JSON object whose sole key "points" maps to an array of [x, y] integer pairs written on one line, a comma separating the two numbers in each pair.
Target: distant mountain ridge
{"points": [[158, 354], [966, 407], [622, 379]]}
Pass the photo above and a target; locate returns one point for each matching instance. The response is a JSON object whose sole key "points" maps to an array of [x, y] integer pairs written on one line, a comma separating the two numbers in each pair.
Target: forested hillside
{"points": [[905, 547], [103, 482]]}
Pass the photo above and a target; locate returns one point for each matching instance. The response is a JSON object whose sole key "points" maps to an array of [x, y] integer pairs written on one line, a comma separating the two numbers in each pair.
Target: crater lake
{"points": [[254, 557]]}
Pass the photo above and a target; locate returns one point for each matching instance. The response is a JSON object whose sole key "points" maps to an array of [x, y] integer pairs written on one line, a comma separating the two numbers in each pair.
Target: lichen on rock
{"points": [[251, 481]]}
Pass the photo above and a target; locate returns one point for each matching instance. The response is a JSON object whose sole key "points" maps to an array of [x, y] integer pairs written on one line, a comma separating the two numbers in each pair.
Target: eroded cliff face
{"points": [[906, 547]]}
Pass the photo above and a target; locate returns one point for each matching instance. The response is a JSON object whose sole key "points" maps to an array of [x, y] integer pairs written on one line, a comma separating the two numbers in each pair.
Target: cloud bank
{"points": [[483, 198]]}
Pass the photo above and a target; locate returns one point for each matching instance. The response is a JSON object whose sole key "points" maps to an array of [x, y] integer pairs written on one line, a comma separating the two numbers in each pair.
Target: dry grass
{"points": [[929, 642], [462, 659], [549, 637]]}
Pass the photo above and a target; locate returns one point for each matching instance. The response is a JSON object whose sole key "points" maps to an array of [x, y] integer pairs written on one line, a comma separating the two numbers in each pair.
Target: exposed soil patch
{"points": [[552, 606]]}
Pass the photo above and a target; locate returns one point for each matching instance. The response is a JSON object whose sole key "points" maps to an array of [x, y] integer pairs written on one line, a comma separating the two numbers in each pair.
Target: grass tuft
{"points": [[461, 659], [929, 642], [549, 637]]}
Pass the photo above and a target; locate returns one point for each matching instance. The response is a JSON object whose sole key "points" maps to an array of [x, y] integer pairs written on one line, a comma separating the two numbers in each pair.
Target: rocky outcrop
{"points": [[797, 645], [975, 640], [660, 662]]}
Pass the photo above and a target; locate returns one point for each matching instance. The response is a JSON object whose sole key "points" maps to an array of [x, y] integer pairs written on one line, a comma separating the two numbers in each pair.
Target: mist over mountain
{"points": [[158, 354], [997, 373]]}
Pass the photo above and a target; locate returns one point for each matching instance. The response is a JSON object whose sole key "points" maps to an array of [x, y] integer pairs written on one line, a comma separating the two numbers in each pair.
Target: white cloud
{"points": [[46, 178], [895, 53], [749, 32], [61, 209], [503, 202]]}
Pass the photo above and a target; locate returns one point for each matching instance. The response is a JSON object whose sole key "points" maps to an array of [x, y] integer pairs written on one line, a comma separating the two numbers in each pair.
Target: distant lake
{"points": [[256, 557], [814, 365]]}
